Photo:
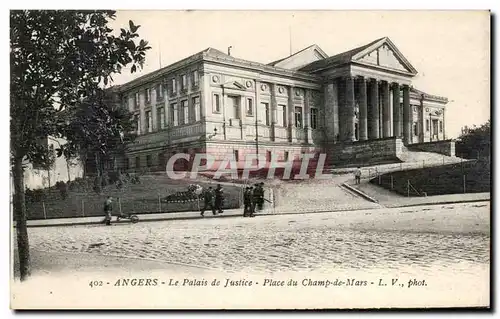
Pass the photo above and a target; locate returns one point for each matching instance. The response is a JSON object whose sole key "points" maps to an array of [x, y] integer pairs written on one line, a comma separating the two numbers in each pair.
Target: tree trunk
{"points": [[97, 165], [20, 215], [67, 167]]}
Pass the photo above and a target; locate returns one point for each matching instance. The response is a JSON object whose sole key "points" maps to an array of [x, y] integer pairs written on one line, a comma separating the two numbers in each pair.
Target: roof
{"points": [[428, 96], [337, 59], [315, 46]]}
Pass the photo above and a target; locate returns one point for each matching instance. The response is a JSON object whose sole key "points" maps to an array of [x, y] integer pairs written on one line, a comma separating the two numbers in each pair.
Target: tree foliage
{"points": [[58, 59], [475, 142]]}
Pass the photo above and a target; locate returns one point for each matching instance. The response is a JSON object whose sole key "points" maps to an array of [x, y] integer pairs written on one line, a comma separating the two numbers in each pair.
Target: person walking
{"points": [[208, 201], [247, 202], [357, 175], [219, 199], [108, 208]]}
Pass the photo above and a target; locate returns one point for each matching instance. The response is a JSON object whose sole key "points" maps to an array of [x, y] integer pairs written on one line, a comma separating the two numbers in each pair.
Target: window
{"points": [[268, 156], [137, 120], [174, 115], [196, 78], [440, 126], [161, 160], [174, 85], [236, 155], [314, 118], [137, 162], [197, 109], [415, 129], [148, 95], [249, 107], [159, 92], [185, 112], [266, 108], [160, 114], [184, 82], [216, 103], [136, 100], [286, 156], [149, 162], [298, 117], [284, 115], [149, 122], [427, 125]]}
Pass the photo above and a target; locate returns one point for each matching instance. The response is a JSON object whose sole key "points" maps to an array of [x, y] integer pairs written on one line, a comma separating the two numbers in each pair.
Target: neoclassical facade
{"points": [[215, 103]]}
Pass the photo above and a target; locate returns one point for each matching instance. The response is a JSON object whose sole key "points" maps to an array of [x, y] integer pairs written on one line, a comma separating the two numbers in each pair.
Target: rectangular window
{"points": [[197, 108], [137, 120], [268, 156], [160, 114], [174, 114], [148, 95], [149, 161], [314, 118], [236, 155], [137, 162], [185, 111], [249, 107], [184, 82], [286, 156], [136, 100], [267, 114], [427, 125], [161, 160], [216, 103], [196, 78], [149, 122], [298, 117], [285, 116], [415, 129], [159, 92], [441, 126], [174, 85]]}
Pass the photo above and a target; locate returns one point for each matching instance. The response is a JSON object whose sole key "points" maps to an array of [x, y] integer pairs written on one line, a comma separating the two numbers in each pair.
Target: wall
{"points": [[366, 152], [446, 147]]}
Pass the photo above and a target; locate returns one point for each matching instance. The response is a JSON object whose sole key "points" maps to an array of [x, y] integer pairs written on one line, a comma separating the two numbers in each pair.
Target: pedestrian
{"points": [[255, 199], [247, 202], [208, 201], [357, 175], [261, 196], [108, 207], [219, 199]]}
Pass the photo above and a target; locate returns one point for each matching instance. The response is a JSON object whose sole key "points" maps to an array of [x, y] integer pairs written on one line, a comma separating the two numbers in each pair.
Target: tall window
{"points": [[314, 118], [236, 155], [415, 129], [174, 115], [427, 125], [136, 100], [174, 85], [286, 156], [184, 82], [216, 103], [249, 107], [298, 117], [137, 120], [160, 114], [149, 122], [441, 126], [185, 111], [196, 78], [149, 161], [197, 108], [284, 115], [267, 114], [137, 162], [148, 95], [159, 92]]}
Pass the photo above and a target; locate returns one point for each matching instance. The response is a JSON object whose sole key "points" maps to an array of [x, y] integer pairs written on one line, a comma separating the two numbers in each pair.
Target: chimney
{"points": [[229, 50]]}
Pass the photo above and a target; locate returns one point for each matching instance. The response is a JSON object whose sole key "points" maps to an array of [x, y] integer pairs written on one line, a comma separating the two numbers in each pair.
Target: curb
{"points": [[442, 203], [360, 193]]}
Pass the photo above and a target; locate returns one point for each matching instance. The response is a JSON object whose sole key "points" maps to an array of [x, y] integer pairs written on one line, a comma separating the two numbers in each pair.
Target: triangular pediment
{"points": [[299, 59], [384, 54], [235, 85]]}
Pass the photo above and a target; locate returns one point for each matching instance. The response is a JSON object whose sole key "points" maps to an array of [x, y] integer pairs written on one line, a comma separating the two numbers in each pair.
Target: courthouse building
{"points": [[357, 106]]}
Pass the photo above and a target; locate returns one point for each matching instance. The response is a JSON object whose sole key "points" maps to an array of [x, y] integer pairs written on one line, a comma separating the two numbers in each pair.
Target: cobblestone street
{"points": [[442, 236]]}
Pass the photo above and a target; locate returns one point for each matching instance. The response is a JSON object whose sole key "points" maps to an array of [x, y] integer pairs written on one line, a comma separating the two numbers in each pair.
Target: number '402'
{"points": [[95, 283]]}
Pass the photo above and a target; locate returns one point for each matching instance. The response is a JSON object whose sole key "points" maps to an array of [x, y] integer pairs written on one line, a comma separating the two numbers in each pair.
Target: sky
{"points": [[449, 49]]}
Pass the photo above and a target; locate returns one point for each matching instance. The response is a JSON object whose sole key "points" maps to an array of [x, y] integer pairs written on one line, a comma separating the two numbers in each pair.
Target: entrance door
{"points": [[435, 130], [234, 106]]}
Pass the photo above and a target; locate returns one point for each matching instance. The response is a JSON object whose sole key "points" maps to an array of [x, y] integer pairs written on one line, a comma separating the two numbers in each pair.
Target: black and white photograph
{"points": [[218, 159]]}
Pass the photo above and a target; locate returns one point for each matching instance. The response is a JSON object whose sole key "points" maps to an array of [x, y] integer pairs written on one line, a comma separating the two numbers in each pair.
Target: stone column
{"points": [[307, 115], [396, 110], [363, 110], [407, 115], [273, 109], [291, 110], [347, 125], [444, 127], [373, 112], [386, 110]]}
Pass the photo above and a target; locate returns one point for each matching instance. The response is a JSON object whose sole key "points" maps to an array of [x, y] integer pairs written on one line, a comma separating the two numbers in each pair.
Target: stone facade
{"points": [[215, 103]]}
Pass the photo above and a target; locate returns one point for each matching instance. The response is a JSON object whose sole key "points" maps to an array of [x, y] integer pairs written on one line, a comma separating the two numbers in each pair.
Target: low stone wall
{"points": [[446, 147], [366, 152]]}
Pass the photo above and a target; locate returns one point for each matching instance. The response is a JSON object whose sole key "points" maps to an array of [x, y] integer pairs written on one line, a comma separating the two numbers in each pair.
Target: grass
{"points": [[440, 180], [138, 198]]}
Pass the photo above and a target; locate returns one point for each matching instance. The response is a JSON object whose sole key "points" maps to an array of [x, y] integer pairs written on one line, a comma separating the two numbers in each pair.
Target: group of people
{"points": [[253, 198], [213, 200]]}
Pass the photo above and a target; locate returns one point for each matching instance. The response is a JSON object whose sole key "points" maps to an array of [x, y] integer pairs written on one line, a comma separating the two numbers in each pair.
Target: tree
{"points": [[57, 60], [475, 142]]}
